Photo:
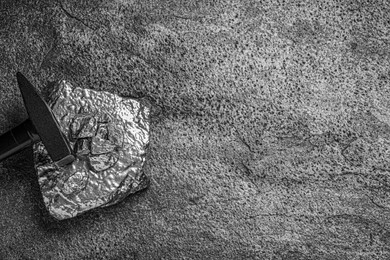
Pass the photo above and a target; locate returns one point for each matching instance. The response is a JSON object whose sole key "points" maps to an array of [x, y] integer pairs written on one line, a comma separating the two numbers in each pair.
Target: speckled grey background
{"points": [[270, 129]]}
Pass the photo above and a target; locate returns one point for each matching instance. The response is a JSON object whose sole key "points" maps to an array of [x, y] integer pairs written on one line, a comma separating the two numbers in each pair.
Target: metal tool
{"points": [[40, 126]]}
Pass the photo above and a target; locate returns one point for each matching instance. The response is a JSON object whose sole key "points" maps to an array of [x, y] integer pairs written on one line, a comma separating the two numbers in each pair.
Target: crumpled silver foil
{"points": [[109, 135]]}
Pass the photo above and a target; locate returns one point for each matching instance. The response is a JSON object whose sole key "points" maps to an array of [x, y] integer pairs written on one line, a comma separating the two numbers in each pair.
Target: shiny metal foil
{"points": [[109, 135]]}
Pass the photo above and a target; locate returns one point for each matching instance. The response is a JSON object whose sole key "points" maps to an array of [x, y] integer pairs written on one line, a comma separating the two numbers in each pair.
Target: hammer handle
{"points": [[17, 139]]}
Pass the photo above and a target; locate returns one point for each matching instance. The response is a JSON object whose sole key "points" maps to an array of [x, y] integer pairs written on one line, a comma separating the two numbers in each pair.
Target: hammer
{"points": [[40, 126]]}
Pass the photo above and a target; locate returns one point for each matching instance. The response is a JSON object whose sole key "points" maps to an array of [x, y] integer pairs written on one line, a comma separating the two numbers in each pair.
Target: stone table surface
{"points": [[270, 126]]}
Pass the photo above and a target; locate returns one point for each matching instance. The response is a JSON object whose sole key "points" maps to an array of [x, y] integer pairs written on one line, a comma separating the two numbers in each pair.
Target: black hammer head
{"points": [[41, 125], [45, 123]]}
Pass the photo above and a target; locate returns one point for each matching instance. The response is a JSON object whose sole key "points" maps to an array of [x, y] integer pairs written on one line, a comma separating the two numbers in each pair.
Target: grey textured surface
{"points": [[270, 134]]}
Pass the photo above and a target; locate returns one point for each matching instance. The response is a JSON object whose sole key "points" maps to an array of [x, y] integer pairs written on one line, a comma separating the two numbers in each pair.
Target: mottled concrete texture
{"points": [[270, 128]]}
